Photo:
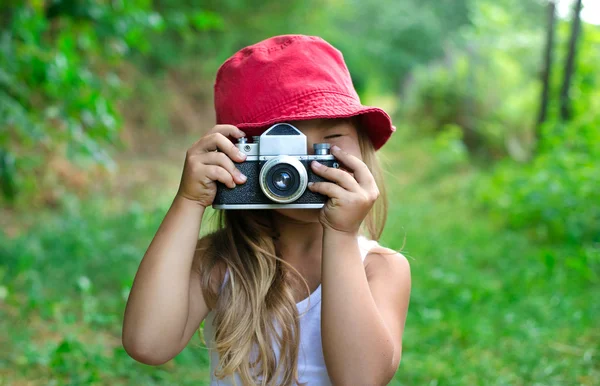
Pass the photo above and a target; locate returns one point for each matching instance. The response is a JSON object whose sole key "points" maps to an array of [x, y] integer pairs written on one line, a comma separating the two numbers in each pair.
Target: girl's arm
{"points": [[161, 316], [364, 307], [165, 305], [363, 311]]}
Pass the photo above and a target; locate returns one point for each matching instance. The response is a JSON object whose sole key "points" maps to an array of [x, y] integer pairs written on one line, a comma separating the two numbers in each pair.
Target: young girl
{"points": [[288, 296]]}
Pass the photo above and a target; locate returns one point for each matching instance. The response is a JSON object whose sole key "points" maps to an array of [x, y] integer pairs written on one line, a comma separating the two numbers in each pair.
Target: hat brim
{"points": [[325, 105]]}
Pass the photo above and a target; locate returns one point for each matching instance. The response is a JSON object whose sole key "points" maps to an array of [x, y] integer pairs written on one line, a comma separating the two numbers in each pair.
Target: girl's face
{"points": [[339, 132]]}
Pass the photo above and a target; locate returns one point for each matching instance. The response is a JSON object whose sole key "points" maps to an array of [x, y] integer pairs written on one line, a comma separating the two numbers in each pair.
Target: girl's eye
{"points": [[333, 136]]}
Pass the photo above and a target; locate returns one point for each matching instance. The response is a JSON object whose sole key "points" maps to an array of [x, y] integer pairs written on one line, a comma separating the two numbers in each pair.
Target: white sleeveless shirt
{"points": [[311, 364]]}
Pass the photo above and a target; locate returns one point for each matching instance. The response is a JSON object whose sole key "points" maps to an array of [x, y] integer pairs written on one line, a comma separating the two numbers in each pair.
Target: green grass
{"points": [[488, 306]]}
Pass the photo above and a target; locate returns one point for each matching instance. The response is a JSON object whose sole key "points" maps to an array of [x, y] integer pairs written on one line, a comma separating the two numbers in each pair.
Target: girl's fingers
{"points": [[362, 174], [217, 141], [217, 173], [225, 130], [328, 189], [220, 159], [228, 131], [340, 177]]}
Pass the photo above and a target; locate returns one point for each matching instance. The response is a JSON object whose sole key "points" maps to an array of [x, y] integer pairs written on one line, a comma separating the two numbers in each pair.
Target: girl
{"points": [[289, 296]]}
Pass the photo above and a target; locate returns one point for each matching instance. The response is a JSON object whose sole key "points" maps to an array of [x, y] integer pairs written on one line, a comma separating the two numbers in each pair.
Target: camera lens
{"points": [[283, 179]]}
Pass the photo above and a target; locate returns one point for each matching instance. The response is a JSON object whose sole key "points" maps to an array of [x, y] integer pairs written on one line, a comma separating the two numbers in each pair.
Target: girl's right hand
{"points": [[204, 165]]}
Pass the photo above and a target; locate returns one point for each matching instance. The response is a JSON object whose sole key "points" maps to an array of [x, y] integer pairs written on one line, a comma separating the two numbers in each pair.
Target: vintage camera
{"points": [[278, 171]]}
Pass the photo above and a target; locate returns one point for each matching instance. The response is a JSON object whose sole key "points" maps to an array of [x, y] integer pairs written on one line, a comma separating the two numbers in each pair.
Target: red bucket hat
{"points": [[291, 78]]}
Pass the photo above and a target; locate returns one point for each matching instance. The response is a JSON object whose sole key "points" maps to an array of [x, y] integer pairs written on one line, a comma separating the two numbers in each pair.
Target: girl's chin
{"points": [[302, 215]]}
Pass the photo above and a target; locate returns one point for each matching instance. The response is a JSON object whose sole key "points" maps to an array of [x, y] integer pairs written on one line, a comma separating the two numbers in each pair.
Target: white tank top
{"points": [[311, 364]]}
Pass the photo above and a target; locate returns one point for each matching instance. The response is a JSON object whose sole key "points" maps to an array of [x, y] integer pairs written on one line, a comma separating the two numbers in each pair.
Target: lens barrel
{"points": [[283, 179]]}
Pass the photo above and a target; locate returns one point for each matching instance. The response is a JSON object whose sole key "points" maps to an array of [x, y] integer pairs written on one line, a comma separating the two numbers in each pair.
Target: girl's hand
{"points": [[350, 198], [204, 166]]}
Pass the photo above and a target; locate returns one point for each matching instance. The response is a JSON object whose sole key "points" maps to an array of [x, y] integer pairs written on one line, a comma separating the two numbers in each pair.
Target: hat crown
{"points": [[259, 79]]}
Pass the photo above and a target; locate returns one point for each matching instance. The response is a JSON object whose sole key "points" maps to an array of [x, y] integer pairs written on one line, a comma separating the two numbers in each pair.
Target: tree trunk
{"points": [[565, 105], [547, 66]]}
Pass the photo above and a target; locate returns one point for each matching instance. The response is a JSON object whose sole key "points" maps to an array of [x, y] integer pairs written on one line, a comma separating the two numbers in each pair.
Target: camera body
{"points": [[278, 171]]}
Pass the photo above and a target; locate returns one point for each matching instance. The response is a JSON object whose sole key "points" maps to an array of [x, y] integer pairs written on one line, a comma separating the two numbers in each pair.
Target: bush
{"points": [[557, 195], [494, 112], [487, 84], [61, 81], [58, 83]]}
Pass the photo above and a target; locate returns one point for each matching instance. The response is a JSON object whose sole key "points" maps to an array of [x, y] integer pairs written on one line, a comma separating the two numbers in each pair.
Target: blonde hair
{"points": [[257, 308]]}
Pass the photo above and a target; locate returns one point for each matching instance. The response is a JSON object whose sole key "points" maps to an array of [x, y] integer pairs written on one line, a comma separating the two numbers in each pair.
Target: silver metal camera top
{"points": [[250, 149], [282, 139], [321, 148]]}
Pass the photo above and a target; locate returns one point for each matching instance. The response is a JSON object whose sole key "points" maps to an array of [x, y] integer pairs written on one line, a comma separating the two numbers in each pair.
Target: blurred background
{"points": [[494, 173]]}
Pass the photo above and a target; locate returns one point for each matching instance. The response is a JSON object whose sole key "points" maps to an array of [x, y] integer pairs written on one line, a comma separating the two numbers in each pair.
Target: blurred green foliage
{"points": [[58, 85], [487, 84], [556, 195], [59, 80], [489, 90], [383, 41], [502, 231]]}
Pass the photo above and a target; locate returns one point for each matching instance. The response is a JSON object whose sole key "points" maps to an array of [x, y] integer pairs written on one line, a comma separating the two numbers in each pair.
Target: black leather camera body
{"points": [[278, 170]]}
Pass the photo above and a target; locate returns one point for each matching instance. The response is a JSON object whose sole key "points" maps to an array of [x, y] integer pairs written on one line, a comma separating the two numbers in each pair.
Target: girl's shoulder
{"points": [[378, 256], [369, 246]]}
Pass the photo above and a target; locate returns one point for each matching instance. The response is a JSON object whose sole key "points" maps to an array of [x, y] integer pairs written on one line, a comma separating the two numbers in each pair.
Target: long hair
{"points": [[256, 310]]}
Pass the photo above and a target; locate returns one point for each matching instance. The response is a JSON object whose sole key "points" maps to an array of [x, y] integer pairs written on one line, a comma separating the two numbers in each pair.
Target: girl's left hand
{"points": [[350, 198]]}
